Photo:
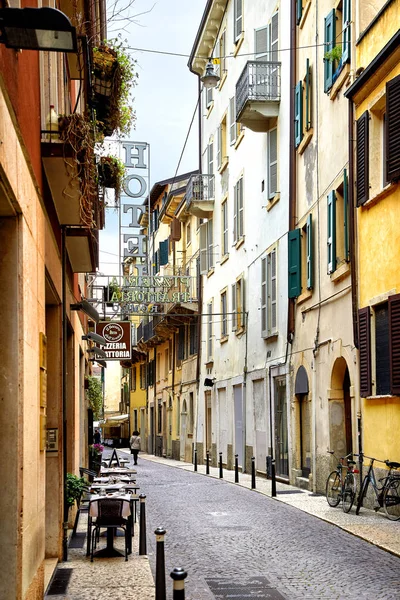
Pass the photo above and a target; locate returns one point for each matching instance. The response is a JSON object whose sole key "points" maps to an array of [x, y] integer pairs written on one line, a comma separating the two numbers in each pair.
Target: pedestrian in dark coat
{"points": [[135, 443]]}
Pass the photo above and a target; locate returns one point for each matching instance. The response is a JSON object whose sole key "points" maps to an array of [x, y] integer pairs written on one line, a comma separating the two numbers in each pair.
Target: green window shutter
{"points": [[346, 20], [298, 113], [331, 243], [330, 37], [163, 253], [294, 257], [308, 95], [299, 10], [310, 266], [346, 215]]}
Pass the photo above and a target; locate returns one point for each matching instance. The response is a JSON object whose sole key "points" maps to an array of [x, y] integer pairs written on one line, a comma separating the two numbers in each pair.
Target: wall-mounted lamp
{"points": [[210, 79], [209, 382], [97, 351], [95, 337], [37, 29], [102, 363], [88, 309]]}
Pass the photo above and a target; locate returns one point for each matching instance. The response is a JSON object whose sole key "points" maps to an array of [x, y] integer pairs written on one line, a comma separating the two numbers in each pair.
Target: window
{"points": [[272, 163], [133, 379], [206, 247], [170, 354], [222, 157], [166, 363], [261, 45], [268, 295], [294, 263], [235, 129], [163, 252], [193, 334], [158, 365], [338, 250], [209, 331], [209, 97], [210, 168], [143, 377], [188, 235], [379, 344], [238, 305], [224, 315], [191, 413], [329, 44], [224, 228], [180, 345], [302, 106], [307, 255], [151, 372], [237, 20], [238, 213], [222, 54]]}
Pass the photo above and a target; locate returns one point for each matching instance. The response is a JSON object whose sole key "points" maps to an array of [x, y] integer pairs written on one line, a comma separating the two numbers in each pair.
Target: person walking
{"points": [[134, 443], [96, 436]]}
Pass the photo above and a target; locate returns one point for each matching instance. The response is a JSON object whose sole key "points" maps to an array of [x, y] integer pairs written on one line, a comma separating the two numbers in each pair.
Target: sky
{"points": [[165, 96]]}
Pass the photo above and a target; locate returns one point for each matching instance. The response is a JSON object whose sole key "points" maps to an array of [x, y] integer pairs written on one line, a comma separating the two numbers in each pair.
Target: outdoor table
{"points": [[125, 479], [117, 471], [109, 551]]}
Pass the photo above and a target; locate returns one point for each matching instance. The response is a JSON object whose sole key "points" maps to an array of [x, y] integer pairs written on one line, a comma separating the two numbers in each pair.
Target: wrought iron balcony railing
{"points": [[260, 81], [200, 188]]}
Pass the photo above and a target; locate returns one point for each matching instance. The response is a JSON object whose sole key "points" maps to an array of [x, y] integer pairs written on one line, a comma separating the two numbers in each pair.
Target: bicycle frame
{"points": [[370, 478]]}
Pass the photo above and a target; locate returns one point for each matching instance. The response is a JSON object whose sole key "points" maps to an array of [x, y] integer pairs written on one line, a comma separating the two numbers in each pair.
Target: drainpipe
{"points": [[199, 284], [64, 385], [292, 156], [246, 316]]}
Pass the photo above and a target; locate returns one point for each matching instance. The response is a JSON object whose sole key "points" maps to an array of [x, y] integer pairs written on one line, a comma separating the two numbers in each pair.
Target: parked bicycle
{"points": [[388, 493], [341, 484]]}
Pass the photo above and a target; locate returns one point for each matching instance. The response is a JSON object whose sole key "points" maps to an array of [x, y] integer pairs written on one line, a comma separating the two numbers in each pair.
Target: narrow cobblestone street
{"points": [[227, 535]]}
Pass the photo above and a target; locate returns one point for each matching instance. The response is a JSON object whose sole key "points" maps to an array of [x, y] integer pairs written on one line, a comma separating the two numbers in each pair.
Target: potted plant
{"points": [[95, 454], [113, 77], [111, 172], [74, 488]]}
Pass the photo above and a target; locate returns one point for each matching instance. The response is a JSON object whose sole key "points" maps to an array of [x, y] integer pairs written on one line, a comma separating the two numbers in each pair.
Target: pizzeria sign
{"points": [[118, 338]]}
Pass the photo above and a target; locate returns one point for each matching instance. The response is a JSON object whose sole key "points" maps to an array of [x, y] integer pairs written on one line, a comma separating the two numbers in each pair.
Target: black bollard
{"points": [[161, 591], [273, 479], [236, 468], [253, 473], [207, 463], [142, 525], [195, 459], [179, 575], [220, 466]]}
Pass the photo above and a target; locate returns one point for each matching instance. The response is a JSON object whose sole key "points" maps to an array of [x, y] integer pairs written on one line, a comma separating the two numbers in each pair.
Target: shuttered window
{"points": [[294, 258], [219, 146], [394, 343], [298, 113], [224, 229], [331, 235], [299, 10], [346, 211], [346, 30], [272, 295], [393, 129], [329, 43], [261, 43], [209, 331], [364, 336], [362, 159], [264, 329], [224, 315], [272, 163], [193, 333], [163, 252], [234, 307], [308, 95], [238, 19], [206, 246], [382, 359], [232, 121], [222, 53], [309, 258], [274, 37], [238, 213]]}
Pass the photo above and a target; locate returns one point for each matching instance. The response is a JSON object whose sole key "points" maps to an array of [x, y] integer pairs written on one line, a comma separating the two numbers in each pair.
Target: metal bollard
{"points": [[142, 525], [195, 459], [161, 591], [179, 575], [253, 473], [236, 468], [221, 475], [273, 479], [207, 463]]}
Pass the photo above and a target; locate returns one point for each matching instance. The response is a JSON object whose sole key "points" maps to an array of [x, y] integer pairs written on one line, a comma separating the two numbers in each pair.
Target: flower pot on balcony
{"points": [[104, 65]]}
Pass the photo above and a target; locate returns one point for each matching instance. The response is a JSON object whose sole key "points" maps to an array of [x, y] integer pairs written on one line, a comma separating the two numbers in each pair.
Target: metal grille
{"points": [[253, 587]]}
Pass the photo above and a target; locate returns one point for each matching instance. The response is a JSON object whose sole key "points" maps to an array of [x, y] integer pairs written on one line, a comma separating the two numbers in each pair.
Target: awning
{"points": [[115, 420]]}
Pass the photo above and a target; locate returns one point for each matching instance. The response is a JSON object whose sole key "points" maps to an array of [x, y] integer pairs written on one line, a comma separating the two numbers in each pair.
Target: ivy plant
{"points": [[94, 394]]}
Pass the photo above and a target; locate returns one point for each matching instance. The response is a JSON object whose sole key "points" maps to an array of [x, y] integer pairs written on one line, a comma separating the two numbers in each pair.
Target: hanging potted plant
{"points": [[113, 77], [111, 172]]}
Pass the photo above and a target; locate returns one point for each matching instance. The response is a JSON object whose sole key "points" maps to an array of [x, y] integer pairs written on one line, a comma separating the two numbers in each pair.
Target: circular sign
{"points": [[113, 332]]}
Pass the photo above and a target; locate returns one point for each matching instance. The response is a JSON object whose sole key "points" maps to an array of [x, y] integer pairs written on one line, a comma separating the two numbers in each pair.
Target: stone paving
{"points": [[213, 534]]}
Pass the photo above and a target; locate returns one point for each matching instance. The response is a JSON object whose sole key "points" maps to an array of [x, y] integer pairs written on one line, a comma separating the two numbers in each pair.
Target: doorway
{"points": [[208, 421], [281, 428]]}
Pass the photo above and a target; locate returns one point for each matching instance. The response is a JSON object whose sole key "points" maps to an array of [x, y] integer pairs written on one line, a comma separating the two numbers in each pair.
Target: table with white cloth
{"points": [[117, 471], [128, 512]]}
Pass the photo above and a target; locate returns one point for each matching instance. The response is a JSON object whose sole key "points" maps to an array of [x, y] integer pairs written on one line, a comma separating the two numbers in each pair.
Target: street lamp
{"points": [[210, 79], [37, 29], [87, 308]]}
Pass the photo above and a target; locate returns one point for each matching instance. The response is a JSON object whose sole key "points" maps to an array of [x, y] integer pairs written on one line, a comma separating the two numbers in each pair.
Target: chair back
{"points": [[110, 511]]}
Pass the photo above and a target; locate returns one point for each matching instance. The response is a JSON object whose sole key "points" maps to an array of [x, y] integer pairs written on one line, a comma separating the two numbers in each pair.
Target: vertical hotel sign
{"points": [[136, 190]]}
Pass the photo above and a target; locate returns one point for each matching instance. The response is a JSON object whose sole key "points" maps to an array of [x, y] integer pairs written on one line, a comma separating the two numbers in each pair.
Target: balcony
{"points": [[258, 94], [200, 194]]}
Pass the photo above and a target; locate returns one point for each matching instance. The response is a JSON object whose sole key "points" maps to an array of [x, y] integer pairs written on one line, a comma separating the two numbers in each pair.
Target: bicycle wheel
{"points": [[362, 494], [391, 500], [349, 494], [333, 489]]}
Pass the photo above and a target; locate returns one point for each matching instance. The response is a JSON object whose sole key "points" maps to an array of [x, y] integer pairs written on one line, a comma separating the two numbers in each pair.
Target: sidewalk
{"points": [[374, 527], [109, 578]]}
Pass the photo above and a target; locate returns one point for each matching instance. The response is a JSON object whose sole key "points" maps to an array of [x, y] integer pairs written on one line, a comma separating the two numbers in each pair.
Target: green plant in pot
{"points": [[111, 171], [114, 74], [74, 488]]}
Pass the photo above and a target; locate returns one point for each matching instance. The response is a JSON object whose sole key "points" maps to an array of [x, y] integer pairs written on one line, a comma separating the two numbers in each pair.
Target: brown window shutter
{"points": [[393, 129], [394, 343], [364, 333], [175, 230], [362, 160]]}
